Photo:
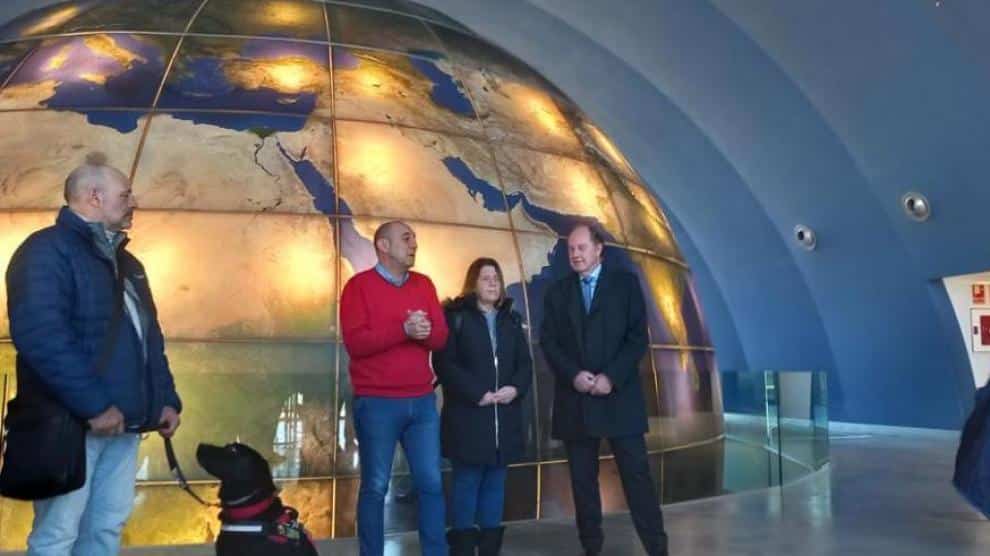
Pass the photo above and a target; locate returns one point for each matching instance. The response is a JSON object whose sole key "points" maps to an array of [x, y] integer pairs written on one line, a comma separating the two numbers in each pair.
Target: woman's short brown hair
{"points": [[474, 270]]}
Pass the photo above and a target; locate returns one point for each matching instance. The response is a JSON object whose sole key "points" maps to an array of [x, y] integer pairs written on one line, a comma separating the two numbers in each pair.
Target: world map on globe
{"points": [[266, 140]]}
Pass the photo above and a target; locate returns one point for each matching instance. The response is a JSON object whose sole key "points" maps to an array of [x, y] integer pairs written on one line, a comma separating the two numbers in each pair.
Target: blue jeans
{"points": [[479, 495], [88, 521], [380, 423]]}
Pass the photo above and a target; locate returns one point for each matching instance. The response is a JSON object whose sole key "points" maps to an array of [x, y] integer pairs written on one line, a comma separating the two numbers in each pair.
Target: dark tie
{"points": [[586, 292]]}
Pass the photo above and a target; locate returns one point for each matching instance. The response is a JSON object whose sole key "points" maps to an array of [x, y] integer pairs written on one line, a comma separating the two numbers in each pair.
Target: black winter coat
{"points": [[610, 339], [466, 369]]}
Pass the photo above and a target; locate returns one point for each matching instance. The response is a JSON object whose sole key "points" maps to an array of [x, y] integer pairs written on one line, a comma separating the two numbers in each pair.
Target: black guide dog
{"points": [[253, 521]]}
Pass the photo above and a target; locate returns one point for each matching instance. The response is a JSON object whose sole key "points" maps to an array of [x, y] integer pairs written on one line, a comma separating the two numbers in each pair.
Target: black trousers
{"points": [[641, 496]]}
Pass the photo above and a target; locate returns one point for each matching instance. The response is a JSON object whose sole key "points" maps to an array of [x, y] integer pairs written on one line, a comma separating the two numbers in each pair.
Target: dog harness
{"points": [[285, 529]]}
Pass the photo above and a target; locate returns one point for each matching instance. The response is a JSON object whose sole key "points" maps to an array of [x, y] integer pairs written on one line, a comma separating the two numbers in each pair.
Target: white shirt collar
{"points": [[594, 274]]}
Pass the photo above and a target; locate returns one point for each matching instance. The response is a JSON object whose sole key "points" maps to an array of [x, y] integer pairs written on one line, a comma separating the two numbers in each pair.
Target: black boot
{"points": [[490, 542], [463, 542]]}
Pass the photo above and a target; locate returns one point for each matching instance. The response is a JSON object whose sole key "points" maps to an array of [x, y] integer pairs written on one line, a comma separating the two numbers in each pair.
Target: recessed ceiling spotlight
{"points": [[916, 206], [805, 237]]}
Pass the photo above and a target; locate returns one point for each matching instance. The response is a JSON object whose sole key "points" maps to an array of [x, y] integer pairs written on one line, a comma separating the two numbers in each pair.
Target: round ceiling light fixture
{"points": [[805, 237], [916, 206]]}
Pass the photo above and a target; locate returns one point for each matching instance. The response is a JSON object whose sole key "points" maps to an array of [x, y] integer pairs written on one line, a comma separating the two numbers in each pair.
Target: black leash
{"points": [[173, 465]]}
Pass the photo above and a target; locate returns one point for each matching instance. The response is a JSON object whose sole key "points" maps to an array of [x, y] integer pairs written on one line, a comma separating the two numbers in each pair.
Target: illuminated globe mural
{"points": [[266, 141]]}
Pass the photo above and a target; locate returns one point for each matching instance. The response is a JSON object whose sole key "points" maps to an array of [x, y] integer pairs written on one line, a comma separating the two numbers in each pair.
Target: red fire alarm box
{"points": [[979, 294]]}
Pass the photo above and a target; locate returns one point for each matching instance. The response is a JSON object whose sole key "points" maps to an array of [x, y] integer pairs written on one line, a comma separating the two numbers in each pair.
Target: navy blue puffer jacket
{"points": [[60, 299]]}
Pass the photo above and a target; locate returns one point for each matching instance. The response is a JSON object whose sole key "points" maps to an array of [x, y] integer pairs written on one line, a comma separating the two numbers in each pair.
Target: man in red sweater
{"points": [[391, 320]]}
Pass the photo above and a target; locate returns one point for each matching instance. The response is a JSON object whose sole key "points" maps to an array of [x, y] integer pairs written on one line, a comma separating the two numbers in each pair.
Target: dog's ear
{"points": [[216, 460]]}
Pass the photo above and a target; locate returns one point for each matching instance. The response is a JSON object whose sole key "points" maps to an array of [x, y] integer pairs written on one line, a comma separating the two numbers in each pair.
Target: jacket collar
{"points": [[595, 274], [601, 282], [470, 301], [601, 276], [72, 222], [575, 305], [68, 220]]}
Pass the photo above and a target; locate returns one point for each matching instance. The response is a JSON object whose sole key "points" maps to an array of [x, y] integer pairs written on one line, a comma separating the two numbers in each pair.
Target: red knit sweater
{"points": [[384, 361]]}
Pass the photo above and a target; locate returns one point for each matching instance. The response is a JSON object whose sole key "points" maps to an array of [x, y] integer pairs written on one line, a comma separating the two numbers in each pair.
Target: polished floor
{"points": [[886, 493]]}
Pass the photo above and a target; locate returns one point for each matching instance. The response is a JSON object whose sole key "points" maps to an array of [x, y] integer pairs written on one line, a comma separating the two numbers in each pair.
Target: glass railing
{"points": [[776, 427]]}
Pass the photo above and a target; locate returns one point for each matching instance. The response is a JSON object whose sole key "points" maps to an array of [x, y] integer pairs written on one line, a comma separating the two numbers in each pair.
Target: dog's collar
{"points": [[247, 512], [242, 499]]}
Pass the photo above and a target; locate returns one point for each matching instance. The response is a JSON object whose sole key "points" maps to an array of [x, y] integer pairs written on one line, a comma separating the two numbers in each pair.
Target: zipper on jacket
{"points": [[116, 265], [496, 403], [493, 342], [150, 419], [147, 421]]}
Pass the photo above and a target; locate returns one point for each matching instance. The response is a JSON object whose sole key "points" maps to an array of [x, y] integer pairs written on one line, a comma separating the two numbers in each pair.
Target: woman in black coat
{"points": [[486, 372]]}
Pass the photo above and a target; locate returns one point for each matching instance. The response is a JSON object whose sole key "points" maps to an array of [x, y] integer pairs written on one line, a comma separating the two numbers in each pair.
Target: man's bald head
{"points": [[395, 245], [101, 193], [388, 230]]}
